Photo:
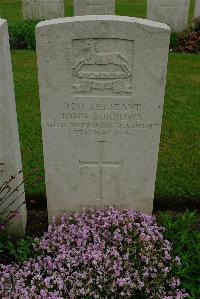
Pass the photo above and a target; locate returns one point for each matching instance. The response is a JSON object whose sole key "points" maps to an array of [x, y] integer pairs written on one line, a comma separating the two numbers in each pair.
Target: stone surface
{"points": [[172, 12], [94, 7], [43, 9], [102, 83], [197, 9], [10, 156]]}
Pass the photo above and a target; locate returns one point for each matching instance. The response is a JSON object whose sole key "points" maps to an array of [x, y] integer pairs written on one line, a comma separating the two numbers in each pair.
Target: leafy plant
{"points": [[13, 250], [7, 199], [22, 35], [196, 24], [173, 41]]}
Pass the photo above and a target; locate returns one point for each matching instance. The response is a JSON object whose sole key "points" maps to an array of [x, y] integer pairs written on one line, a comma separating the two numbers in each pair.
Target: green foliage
{"points": [[183, 232], [196, 24], [22, 35], [12, 250], [173, 40]]}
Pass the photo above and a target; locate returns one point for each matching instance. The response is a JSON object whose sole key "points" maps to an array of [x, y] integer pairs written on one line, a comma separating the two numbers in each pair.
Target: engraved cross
{"points": [[100, 164]]}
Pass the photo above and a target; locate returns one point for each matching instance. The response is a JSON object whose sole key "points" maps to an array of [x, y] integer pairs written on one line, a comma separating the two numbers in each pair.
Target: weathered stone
{"points": [[172, 12], [197, 9], [43, 9], [94, 7], [10, 157], [102, 83]]}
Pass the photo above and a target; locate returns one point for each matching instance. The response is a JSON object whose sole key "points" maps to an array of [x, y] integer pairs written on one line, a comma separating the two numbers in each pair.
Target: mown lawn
{"points": [[177, 176], [12, 9], [178, 167]]}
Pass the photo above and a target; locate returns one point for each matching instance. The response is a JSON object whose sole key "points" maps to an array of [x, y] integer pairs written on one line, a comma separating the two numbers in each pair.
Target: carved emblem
{"points": [[102, 70]]}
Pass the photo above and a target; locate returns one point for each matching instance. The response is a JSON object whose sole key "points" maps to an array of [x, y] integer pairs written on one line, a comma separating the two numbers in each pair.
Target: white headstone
{"points": [[172, 12], [102, 85], [10, 156], [94, 7], [197, 9], [43, 9]]}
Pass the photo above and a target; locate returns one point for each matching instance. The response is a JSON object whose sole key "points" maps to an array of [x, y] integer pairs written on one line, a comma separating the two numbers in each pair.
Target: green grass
{"points": [[179, 156], [12, 9], [183, 232], [27, 98], [177, 176]]}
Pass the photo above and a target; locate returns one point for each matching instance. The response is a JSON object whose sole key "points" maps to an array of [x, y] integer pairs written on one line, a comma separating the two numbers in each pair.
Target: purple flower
{"points": [[2, 227], [114, 252]]}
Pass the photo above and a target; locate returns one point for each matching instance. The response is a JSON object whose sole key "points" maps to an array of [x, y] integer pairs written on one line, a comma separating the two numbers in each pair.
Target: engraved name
{"points": [[100, 119]]}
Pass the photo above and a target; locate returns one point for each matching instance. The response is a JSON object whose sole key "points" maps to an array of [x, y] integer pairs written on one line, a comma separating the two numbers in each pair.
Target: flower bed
{"points": [[97, 254], [187, 41]]}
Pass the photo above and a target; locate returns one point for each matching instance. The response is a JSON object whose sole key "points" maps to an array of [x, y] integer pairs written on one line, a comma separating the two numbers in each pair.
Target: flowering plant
{"points": [[7, 199], [97, 254], [196, 24], [189, 41]]}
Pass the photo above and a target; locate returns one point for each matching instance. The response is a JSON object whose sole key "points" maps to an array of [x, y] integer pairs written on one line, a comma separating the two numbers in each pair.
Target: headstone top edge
{"points": [[3, 21], [87, 18]]}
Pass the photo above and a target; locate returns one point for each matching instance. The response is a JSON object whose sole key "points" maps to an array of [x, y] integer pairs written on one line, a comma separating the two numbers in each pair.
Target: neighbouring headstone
{"points": [[10, 156], [94, 7], [43, 9], [197, 9], [172, 12], [102, 84]]}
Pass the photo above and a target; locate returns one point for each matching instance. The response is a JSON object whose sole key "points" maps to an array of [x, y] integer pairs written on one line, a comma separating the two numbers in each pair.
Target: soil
{"points": [[37, 222]]}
